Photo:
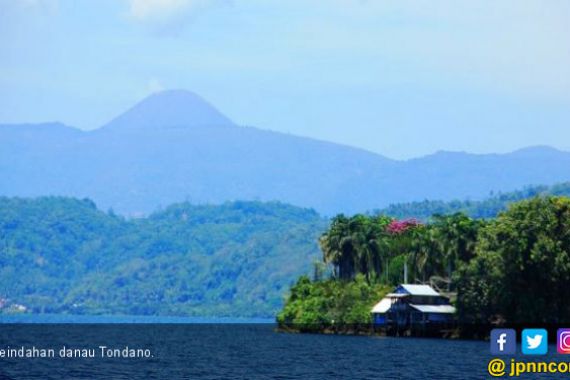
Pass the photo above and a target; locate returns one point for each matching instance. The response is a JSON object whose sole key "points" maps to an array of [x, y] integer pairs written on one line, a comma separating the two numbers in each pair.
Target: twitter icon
{"points": [[534, 342]]}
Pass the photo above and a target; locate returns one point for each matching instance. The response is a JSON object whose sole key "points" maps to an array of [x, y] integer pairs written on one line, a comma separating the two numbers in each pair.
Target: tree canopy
{"points": [[521, 270], [63, 255]]}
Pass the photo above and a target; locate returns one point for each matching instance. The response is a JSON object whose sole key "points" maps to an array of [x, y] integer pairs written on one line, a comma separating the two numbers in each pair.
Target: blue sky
{"points": [[401, 78]]}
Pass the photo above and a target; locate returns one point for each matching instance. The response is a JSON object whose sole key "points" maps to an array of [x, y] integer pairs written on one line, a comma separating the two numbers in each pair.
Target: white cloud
{"points": [[168, 17], [163, 10], [145, 9]]}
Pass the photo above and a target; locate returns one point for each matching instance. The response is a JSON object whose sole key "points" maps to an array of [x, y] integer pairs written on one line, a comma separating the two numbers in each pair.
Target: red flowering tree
{"points": [[398, 227]]}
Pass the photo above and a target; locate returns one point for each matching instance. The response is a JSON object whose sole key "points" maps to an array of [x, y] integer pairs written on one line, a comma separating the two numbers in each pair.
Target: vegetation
{"points": [[483, 209], [371, 245], [368, 256], [514, 269], [521, 271], [62, 255], [330, 305]]}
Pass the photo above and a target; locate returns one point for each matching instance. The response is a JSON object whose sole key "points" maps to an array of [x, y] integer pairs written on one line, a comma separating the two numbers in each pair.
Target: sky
{"points": [[401, 78]]}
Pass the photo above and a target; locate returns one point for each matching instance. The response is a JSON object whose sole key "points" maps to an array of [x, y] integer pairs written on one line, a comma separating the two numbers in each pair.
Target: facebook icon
{"points": [[503, 342]]}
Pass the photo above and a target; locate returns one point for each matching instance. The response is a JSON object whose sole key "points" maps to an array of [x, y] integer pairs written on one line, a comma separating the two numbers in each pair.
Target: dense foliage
{"points": [[371, 245], [334, 305], [237, 259], [521, 272], [514, 269]]}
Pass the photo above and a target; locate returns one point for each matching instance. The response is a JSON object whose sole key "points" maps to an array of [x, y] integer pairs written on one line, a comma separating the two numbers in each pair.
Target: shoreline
{"points": [[370, 331], [29, 318], [456, 333]]}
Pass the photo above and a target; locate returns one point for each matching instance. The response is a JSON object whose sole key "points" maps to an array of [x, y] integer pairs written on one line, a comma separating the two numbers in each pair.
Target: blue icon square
{"points": [[534, 342], [503, 341]]}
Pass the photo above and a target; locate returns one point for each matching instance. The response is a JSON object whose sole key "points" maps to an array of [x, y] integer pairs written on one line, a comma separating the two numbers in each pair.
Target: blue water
{"points": [[196, 350], [70, 318]]}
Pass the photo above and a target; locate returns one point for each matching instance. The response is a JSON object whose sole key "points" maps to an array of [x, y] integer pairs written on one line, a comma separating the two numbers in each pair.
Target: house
{"points": [[413, 307]]}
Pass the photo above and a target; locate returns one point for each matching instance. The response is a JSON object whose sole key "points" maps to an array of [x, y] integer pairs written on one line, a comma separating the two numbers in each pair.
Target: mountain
{"points": [[171, 109], [174, 146]]}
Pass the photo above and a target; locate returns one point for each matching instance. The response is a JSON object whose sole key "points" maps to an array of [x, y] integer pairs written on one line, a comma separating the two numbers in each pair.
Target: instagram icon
{"points": [[563, 341]]}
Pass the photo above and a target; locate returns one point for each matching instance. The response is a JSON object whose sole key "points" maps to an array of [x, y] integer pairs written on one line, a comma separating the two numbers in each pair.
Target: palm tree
{"points": [[458, 236], [366, 235], [382, 245], [338, 247], [330, 243], [426, 253]]}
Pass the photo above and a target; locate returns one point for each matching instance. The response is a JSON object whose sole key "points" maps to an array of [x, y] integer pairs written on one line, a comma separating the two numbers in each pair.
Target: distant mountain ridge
{"points": [[174, 146], [482, 209]]}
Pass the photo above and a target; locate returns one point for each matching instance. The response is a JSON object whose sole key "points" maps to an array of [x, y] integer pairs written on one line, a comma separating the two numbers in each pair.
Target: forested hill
{"points": [[236, 259], [488, 208]]}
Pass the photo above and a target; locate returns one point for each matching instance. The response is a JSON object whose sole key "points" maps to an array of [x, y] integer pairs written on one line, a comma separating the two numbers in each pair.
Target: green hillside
{"points": [[63, 255], [237, 259]]}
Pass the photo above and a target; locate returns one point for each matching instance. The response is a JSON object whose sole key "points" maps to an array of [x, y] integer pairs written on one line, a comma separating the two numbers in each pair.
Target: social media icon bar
{"points": [[504, 341], [535, 342], [563, 341]]}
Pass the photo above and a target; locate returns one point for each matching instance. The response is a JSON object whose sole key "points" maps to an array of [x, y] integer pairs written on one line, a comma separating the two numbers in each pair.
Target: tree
{"points": [[378, 241], [338, 248], [426, 253], [522, 268], [457, 234]]}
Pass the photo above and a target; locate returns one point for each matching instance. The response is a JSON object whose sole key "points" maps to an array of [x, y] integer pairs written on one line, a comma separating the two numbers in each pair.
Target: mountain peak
{"points": [[170, 109]]}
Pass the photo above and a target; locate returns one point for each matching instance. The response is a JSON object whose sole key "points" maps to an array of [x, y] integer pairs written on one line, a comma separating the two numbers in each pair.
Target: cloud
{"points": [[149, 9], [155, 85], [168, 17], [166, 11]]}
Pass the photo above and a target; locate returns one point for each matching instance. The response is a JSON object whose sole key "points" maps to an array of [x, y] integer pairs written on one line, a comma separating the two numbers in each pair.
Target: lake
{"points": [[194, 349]]}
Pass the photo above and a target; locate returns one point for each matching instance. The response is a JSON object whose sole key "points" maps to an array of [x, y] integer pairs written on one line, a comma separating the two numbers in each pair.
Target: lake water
{"points": [[191, 349]]}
